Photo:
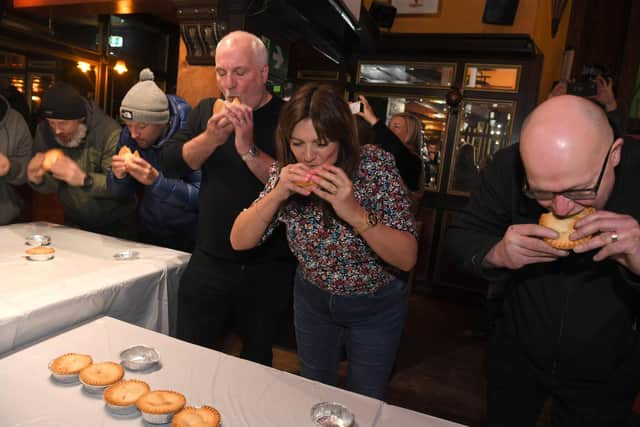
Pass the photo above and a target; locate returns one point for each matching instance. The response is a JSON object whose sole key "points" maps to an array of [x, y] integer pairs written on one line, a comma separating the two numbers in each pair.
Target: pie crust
{"points": [[102, 374], [161, 402], [40, 250], [564, 227], [50, 157], [70, 363], [125, 152], [126, 392], [219, 106], [204, 416]]}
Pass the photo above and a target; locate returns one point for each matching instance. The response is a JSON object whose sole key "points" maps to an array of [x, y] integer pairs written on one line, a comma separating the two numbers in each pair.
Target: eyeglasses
{"points": [[581, 194]]}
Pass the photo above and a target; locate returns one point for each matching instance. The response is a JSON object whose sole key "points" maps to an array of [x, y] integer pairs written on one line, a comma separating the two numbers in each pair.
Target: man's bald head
{"points": [[563, 144], [243, 39]]}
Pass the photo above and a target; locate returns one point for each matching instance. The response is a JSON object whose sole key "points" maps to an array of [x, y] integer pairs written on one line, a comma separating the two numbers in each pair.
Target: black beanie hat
{"points": [[62, 101]]}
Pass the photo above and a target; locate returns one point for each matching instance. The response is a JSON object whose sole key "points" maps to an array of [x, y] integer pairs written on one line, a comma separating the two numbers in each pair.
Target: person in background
{"points": [[15, 152], [169, 208], [568, 326], [465, 170], [88, 139], [348, 219], [604, 97], [402, 139], [235, 150]]}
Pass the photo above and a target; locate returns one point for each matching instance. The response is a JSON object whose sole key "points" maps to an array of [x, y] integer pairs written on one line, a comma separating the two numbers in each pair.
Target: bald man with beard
{"points": [[567, 330]]}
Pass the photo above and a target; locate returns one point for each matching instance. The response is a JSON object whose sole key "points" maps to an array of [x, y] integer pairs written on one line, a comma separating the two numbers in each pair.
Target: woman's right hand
{"points": [[294, 178]]}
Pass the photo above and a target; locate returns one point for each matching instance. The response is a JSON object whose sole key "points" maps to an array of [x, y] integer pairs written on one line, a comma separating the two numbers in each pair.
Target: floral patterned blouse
{"points": [[336, 258]]}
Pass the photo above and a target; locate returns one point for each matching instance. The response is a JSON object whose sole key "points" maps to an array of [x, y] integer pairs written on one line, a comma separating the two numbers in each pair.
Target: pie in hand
{"points": [[564, 226], [70, 363], [159, 406], [127, 154], [219, 106], [50, 158], [100, 375], [204, 416], [125, 392]]}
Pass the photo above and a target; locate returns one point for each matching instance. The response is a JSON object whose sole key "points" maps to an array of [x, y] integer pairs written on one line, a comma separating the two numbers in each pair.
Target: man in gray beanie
{"points": [[88, 139], [169, 207]]}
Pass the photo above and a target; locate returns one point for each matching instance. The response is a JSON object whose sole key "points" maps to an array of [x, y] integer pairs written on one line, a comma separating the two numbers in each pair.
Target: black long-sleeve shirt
{"points": [[573, 318], [409, 165], [227, 185]]}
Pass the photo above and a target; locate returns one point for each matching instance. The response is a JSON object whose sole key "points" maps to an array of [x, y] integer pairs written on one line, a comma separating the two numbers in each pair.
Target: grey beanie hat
{"points": [[145, 102]]}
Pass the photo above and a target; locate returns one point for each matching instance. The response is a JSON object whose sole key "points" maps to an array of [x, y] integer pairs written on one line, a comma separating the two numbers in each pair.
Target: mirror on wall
{"points": [[484, 127], [433, 113], [420, 74], [502, 78]]}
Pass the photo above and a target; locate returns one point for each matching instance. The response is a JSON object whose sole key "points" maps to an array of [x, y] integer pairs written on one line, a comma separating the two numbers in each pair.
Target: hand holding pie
{"points": [[565, 226]]}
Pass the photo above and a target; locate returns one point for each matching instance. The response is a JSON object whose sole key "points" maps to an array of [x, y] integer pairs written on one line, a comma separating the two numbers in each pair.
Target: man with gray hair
{"points": [[234, 146]]}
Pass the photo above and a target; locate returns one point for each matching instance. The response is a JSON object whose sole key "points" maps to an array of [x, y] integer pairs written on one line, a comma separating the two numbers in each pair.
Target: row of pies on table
{"points": [[124, 396]]}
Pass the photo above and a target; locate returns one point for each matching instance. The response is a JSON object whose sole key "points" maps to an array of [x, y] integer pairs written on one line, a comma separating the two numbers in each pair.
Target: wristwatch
{"points": [[253, 152], [371, 221], [87, 183]]}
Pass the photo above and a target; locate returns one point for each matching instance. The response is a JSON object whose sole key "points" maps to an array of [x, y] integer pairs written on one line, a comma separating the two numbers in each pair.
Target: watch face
{"points": [[372, 219]]}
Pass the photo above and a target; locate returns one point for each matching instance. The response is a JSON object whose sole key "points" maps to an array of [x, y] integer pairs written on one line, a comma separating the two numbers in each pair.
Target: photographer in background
{"points": [[595, 84]]}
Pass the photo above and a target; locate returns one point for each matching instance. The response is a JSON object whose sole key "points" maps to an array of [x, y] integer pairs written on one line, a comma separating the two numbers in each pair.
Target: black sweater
{"points": [[227, 186], [573, 317]]}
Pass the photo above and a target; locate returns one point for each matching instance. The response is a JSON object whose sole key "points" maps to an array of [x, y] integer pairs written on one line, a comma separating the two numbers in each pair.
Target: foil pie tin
{"points": [[331, 414], [64, 378], [139, 357], [126, 255], [38, 240]]}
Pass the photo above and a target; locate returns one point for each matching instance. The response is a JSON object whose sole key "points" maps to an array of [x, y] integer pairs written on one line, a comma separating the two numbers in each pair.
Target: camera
{"points": [[585, 85]]}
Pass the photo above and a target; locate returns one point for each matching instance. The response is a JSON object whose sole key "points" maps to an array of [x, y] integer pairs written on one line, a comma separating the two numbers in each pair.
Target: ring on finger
{"points": [[614, 237]]}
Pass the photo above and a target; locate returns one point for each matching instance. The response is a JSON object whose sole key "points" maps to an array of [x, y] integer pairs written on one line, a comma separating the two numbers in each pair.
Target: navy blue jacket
{"points": [[166, 202]]}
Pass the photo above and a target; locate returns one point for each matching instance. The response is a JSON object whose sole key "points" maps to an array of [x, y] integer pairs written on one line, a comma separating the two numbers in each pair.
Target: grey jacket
{"points": [[96, 209], [15, 144]]}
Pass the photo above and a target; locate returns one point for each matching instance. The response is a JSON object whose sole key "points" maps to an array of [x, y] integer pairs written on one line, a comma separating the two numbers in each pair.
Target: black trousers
{"points": [[252, 297], [517, 391]]}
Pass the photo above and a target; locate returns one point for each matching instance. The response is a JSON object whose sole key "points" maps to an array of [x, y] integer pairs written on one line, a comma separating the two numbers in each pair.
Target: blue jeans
{"points": [[369, 325]]}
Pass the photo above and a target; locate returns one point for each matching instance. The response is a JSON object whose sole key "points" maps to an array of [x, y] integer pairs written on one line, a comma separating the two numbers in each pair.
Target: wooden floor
{"points": [[439, 369]]}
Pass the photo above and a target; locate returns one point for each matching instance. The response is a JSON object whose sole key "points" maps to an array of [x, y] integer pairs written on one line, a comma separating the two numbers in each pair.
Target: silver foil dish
{"points": [[38, 240], [139, 357], [126, 255], [331, 414]]}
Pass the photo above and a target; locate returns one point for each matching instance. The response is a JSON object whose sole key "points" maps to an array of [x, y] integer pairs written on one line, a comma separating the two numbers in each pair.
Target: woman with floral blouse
{"points": [[348, 221]]}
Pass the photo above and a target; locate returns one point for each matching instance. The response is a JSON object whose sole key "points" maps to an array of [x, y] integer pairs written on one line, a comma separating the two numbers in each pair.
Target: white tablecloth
{"points": [[245, 393], [82, 282]]}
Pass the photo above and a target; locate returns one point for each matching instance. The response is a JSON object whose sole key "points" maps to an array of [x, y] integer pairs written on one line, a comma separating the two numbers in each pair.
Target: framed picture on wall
{"points": [[416, 7]]}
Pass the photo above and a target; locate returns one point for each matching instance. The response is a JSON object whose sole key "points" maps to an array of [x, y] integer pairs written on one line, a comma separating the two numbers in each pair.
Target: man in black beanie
{"points": [[88, 139]]}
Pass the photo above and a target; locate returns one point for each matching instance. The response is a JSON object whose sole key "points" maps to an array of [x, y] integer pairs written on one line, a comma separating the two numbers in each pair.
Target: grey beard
{"points": [[80, 134]]}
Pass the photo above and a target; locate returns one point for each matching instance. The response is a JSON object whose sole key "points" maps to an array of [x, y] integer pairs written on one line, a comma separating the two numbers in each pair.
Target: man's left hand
{"points": [[616, 235], [65, 169], [5, 165], [141, 170]]}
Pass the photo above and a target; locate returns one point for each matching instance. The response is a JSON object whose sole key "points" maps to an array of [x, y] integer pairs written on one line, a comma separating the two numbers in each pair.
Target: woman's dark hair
{"points": [[333, 122]]}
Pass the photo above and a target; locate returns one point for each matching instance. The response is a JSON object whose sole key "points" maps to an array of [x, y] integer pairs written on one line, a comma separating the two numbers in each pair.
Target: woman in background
{"points": [[348, 220], [403, 139]]}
